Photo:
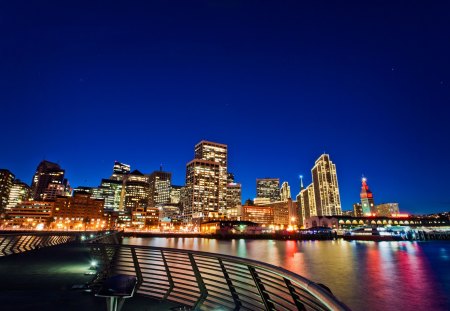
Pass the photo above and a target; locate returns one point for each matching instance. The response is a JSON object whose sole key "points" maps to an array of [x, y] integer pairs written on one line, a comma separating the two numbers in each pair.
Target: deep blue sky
{"points": [[280, 82]]}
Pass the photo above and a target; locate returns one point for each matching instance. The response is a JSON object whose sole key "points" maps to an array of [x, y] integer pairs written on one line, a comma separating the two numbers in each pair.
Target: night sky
{"points": [[281, 82]]}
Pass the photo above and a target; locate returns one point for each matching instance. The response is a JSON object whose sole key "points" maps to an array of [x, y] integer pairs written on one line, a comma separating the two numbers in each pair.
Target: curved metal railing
{"points": [[19, 243], [209, 281]]}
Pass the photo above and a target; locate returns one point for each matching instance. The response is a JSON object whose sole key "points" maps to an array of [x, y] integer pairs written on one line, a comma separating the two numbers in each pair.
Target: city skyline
{"points": [[280, 83], [114, 169]]}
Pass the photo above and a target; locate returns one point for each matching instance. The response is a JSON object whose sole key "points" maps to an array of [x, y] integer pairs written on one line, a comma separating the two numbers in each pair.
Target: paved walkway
{"points": [[42, 280]]}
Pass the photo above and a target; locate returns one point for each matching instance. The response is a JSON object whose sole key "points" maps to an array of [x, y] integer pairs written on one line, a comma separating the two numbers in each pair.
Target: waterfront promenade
{"points": [[43, 279]]}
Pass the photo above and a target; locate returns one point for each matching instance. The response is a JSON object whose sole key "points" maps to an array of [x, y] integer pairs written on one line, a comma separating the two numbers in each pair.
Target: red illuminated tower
{"points": [[367, 202]]}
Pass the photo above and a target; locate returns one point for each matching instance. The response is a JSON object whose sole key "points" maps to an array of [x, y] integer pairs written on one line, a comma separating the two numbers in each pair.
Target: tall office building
{"points": [[234, 195], [326, 188], [135, 191], [307, 203], [120, 170], [218, 153], [357, 210], [49, 177], [110, 191], [19, 193], [268, 188], [6, 183], [285, 191], [160, 187], [206, 181], [175, 194], [367, 202]]}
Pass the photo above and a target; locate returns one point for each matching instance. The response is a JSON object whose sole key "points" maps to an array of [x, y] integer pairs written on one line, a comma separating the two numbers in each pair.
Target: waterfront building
{"points": [[307, 203], [300, 206], [6, 183], [142, 216], [79, 211], [120, 170], [159, 183], [387, 209], [136, 190], [49, 180], [285, 191], [30, 214], [168, 211], [262, 215], [357, 210], [110, 191], [19, 193], [234, 198], [282, 213], [206, 182], [175, 194], [326, 188], [348, 222], [367, 201], [268, 188], [230, 227]]}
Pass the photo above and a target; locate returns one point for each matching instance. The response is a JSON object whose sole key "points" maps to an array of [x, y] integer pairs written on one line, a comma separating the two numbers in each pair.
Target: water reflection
{"points": [[365, 275]]}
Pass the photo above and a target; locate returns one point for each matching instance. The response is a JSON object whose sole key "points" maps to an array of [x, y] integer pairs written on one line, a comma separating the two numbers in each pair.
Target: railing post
{"points": [[137, 268], [294, 295], [262, 291], [201, 284], [169, 276], [234, 294]]}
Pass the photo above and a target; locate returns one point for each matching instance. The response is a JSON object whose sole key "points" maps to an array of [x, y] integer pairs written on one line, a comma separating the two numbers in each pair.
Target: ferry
{"points": [[373, 234]]}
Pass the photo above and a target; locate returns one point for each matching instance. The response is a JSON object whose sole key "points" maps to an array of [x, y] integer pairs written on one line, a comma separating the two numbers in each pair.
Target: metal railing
{"points": [[14, 243], [209, 281]]}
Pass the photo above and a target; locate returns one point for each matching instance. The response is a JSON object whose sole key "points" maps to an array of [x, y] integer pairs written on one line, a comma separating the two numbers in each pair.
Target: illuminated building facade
{"points": [[367, 202], [326, 188], [144, 217], [262, 215], [110, 191], [30, 214], [307, 203], [120, 170], [79, 211], [19, 193], [202, 188], [83, 189], [285, 191], [206, 182], [175, 194], [234, 195], [6, 183], [268, 188], [160, 182], [218, 153], [357, 210], [387, 209], [48, 181], [135, 191]]}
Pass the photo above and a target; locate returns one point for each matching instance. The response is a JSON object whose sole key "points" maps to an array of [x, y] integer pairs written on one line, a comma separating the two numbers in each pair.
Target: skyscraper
{"points": [[120, 170], [285, 191], [159, 187], [307, 203], [234, 195], [49, 177], [326, 188], [206, 181], [268, 188], [367, 202], [110, 191], [19, 193], [135, 191], [6, 183]]}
